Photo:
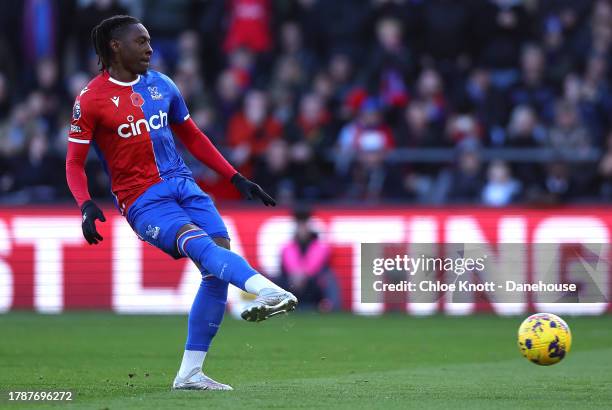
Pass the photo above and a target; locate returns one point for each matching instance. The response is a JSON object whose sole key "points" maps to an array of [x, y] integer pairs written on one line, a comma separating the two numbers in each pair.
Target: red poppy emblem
{"points": [[137, 99]]}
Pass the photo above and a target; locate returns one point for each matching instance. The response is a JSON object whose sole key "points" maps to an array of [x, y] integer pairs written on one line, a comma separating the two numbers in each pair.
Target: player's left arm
{"points": [[202, 148]]}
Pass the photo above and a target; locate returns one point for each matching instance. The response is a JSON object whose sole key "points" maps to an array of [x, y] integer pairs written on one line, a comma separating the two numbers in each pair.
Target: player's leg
{"points": [[193, 242], [271, 298], [208, 235], [205, 318], [156, 217]]}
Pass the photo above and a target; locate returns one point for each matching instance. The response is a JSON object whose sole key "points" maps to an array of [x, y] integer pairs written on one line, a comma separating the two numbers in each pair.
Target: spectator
{"points": [[14, 134], [312, 125], [274, 172], [249, 26], [594, 38], [282, 103], [463, 128], [323, 86], [557, 185], [568, 135], [389, 63], [310, 136], [502, 26], [37, 173], [595, 101], [369, 178], [48, 92], [462, 183], [524, 130], [560, 22], [251, 131], [487, 102], [188, 45], [341, 73], [292, 45], [306, 269], [430, 91], [532, 88], [368, 131], [188, 79], [307, 13], [566, 15], [289, 75], [416, 129], [242, 62], [228, 96], [501, 189]]}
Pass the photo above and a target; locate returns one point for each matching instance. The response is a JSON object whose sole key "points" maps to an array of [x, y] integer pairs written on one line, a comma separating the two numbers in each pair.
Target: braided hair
{"points": [[103, 33]]}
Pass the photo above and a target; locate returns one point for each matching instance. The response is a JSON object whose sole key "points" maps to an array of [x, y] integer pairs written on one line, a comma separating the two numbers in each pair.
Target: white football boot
{"points": [[270, 302], [196, 380]]}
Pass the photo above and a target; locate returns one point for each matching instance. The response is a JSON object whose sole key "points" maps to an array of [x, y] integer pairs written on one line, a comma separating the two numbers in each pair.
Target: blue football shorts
{"points": [[158, 214]]}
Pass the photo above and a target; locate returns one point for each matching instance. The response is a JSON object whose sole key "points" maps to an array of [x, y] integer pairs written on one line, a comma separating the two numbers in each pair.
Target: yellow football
{"points": [[544, 339]]}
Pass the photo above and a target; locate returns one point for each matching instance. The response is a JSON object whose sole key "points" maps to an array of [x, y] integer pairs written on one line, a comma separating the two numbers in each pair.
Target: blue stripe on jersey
{"points": [[158, 94]]}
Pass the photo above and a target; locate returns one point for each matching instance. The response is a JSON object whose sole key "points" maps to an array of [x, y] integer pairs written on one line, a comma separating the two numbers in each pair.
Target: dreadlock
{"points": [[103, 33]]}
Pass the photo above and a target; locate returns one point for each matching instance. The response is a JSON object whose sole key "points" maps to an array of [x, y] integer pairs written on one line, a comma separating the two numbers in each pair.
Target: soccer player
{"points": [[130, 114]]}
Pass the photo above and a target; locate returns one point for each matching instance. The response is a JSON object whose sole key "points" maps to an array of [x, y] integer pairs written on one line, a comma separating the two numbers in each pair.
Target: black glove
{"points": [[251, 190], [91, 212]]}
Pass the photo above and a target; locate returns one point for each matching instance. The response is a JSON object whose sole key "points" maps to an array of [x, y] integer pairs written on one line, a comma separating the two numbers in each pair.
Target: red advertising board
{"points": [[46, 265]]}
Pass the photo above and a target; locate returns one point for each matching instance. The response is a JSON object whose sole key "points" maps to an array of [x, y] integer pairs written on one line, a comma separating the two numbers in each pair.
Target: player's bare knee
{"points": [[184, 229], [181, 231], [222, 242]]}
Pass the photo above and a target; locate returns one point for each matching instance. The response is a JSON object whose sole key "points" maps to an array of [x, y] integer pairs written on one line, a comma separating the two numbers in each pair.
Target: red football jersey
{"points": [[129, 126]]}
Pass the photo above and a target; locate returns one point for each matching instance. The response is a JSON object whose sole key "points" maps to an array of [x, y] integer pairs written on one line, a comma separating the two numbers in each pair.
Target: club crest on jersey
{"points": [[156, 95], [76, 111], [152, 231], [137, 100]]}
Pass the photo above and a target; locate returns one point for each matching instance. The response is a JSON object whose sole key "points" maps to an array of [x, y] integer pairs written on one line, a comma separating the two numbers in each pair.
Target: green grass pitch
{"points": [[303, 361]]}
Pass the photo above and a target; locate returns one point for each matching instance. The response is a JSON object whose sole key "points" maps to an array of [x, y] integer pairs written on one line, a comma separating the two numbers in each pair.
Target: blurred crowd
{"points": [[324, 100]]}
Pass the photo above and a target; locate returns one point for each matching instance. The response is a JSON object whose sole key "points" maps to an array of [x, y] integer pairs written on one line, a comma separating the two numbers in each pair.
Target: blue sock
{"points": [[206, 313], [220, 262]]}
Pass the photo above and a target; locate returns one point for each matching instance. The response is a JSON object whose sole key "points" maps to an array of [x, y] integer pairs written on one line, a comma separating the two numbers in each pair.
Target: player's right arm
{"points": [[204, 150], [82, 127]]}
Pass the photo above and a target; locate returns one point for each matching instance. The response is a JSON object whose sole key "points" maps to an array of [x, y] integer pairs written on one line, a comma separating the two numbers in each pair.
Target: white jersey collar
{"points": [[112, 80]]}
